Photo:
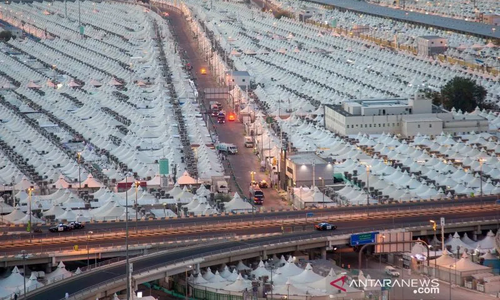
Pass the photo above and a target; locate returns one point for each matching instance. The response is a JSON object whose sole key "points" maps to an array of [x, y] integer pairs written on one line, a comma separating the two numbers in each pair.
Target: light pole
{"points": [[187, 293], [314, 173], [126, 236], [272, 268], [368, 184], [137, 184], [252, 174], [24, 255], [88, 250], [79, 157], [434, 227], [481, 161], [30, 191]]}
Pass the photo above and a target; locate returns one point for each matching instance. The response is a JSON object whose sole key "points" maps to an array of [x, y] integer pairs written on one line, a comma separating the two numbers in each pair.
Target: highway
{"points": [[179, 222], [344, 227]]}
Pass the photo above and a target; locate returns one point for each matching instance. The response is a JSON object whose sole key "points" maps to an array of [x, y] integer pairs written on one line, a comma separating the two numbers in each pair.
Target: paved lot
{"points": [[231, 132]]}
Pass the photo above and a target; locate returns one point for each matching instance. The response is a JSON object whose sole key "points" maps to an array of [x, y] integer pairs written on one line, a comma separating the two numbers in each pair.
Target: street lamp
{"points": [[252, 174], [272, 268], [434, 227], [24, 255], [368, 184], [137, 184], [30, 192], [88, 250], [187, 269], [126, 235], [79, 179], [481, 161]]}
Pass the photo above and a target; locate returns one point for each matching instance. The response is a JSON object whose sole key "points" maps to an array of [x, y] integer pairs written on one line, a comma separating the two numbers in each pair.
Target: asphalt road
{"points": [[108, 227], [345, 226], [232, 132], [145, 263]]}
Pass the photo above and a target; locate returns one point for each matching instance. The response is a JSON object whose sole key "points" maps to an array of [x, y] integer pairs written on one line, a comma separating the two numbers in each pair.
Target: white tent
{"points": [[306, 276], [185, 179], [14, 280], [91, 182], [239, 285], [61, 183], [55, 210], [175, 191], [261, 271], [242, 267], [290, 269], [59, 273], [488, 242], [237, 204], [208, 274], [225, 272], [14, 216]]}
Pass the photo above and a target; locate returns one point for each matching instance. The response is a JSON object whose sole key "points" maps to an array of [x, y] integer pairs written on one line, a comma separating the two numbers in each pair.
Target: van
{"points": [[256, 194], [248, 141], [227, 148]]}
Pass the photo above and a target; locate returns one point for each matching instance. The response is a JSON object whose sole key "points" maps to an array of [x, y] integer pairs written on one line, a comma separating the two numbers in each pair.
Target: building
{"points": [[492, 19], [302, 167], [399, 116], [304, 14], [431, 45], [239, 78]]}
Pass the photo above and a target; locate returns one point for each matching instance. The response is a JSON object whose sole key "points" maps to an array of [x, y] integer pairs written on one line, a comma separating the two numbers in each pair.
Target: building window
{"points": [[347, 126], [366, 125], [430, 125], [370, 125], [383, 124], [243, 80], [393, 124], [418, 125], [379, 125]]}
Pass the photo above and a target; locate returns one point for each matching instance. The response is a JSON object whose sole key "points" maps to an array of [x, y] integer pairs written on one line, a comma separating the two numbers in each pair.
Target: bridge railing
{"points": [[270, 241]]}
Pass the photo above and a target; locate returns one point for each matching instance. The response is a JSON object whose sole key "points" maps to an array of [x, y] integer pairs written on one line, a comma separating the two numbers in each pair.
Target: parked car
{"points": [[391, 271], [60, 228], [76, 225], [325, 226], [263, 184]]}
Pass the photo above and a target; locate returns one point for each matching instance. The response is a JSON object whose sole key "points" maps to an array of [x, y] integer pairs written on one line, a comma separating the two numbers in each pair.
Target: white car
{"points": [[391, 271]]}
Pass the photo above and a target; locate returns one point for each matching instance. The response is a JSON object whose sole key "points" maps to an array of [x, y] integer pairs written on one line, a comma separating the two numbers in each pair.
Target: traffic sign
{"points": [[363, 238], [309, 215], [442, 221]]}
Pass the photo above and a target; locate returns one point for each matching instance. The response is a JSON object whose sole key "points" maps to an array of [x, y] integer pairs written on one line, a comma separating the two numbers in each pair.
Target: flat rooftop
{"points": [[307, 158]]}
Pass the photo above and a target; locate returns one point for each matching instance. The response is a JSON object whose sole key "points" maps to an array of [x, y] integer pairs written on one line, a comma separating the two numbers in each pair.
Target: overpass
{"points": [[105, 245], [107, 280]]}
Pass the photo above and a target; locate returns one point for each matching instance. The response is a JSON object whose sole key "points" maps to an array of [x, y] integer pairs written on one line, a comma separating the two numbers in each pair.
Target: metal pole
{"points": [[442, 237], [187, 284], [481, 174], [79, 18], [29, 209], [88, 252], [126, 235], [136, 188], [367, 185], [314, 173], [23, 252], [79, 155]]}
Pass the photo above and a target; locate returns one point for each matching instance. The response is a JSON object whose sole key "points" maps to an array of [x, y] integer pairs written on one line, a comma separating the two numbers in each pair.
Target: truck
{"points": [[227, 148], [248, 141], [215, 108], [256, 194]]}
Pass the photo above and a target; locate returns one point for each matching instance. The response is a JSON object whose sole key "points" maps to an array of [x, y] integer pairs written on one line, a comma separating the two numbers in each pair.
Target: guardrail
{"points": [[207, 226], [257, 245]]}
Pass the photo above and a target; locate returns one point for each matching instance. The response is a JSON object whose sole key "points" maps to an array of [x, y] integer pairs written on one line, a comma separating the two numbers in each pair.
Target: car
{"points": [[231, 117], [60, 228], [263, 184], [325, 226], [391, 271], [76, 225]]}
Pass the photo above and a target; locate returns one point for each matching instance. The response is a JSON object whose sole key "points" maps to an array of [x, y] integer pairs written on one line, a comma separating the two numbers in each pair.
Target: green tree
{"points": [[5, 36], [462, 93]]}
